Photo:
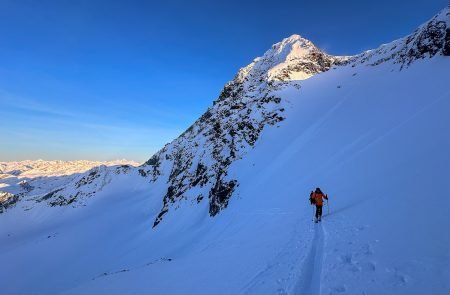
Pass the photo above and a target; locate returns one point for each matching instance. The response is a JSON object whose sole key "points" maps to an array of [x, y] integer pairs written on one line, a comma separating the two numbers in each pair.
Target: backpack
{"points": [[311, 199]]}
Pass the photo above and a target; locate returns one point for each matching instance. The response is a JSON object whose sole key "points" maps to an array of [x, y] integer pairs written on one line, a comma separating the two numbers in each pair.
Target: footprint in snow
{"points": [[338, 290], [398, 278], [346, 258], [362, 227], [367, 249], [370, 266]]}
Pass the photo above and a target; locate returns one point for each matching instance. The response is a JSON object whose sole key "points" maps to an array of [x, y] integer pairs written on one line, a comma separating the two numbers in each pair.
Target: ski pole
{"points": [[312, 218], [328, 208]]}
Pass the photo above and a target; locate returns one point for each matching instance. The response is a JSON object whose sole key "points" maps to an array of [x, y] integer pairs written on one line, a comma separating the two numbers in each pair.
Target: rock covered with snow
{"points": [[430, 39], [294, 58], [7, 200]]}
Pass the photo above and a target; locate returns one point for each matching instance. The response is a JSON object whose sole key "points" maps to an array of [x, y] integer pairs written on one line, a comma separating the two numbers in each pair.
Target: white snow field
{"points": [[374, 137]]}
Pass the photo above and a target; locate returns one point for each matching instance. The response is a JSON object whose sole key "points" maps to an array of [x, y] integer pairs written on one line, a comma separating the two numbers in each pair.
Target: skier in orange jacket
{"points": [[316, 198]]}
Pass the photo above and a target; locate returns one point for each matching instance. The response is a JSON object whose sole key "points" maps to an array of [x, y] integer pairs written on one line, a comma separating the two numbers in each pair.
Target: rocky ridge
{"points": [[428, 40]]}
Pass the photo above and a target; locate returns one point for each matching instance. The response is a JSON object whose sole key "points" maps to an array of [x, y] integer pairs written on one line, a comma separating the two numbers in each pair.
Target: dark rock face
{"points": [[446, 49], [7, 200], [220, 136], [64, 201], [48, 196], [123, 169], [58, 198], [220, 195], [26, 186], [426, 42], [87, 179]]}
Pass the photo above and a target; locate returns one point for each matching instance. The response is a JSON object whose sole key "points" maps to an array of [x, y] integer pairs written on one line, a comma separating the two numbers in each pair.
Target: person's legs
{"points": [[318, 212]]}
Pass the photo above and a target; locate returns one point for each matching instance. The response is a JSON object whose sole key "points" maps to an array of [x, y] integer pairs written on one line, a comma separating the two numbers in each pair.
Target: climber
{"points": [[316, 198]]}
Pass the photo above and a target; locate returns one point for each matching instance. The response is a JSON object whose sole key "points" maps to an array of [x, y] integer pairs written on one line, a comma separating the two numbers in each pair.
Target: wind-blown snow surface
{"points": [[373, 137]]}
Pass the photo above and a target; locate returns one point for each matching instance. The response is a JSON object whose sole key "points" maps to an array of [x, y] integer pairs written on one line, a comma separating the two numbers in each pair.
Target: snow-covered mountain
{"points": [[39, 168], [195, 165], [223, 208], [34, 181]]}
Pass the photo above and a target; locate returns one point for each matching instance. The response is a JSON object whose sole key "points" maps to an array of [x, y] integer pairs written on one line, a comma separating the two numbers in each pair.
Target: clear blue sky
{"points": [[118, 79]]}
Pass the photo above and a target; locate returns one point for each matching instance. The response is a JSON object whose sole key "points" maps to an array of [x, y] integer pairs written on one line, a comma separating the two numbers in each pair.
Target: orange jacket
{"points": [[318, 198]]}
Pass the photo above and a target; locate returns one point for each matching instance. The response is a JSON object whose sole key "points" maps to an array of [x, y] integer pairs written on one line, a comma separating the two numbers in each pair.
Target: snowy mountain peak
{"points": [[294, 45], [295, 37], [294, 58]]}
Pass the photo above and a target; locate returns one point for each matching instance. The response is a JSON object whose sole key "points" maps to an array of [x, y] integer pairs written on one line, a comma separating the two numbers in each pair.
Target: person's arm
{"points": [[326, 196]]}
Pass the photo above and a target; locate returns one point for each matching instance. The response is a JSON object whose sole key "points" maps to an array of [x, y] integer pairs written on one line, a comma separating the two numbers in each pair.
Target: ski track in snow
{"points": [[297, 273], [286, 265], [309, 281]]}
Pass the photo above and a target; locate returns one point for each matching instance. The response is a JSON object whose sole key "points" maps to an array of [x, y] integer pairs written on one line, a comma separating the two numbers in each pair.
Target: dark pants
{"points": [[318, 212]]}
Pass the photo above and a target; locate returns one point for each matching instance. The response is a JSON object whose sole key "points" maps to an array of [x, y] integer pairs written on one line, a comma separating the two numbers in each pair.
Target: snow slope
{"points": [[371, 131]]}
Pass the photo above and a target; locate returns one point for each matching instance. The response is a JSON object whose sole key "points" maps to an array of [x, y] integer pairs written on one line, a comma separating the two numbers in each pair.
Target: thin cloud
{"points": [[22, 103]]}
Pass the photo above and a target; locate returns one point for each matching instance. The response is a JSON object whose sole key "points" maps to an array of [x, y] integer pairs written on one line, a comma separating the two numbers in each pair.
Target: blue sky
{"points": [[103, 80]]}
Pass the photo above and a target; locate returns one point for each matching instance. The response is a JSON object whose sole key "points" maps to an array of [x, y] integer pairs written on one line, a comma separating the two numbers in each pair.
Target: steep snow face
{"points": [[430, 39]]}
